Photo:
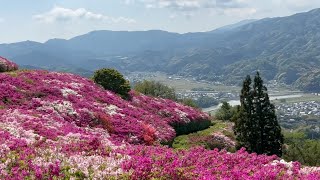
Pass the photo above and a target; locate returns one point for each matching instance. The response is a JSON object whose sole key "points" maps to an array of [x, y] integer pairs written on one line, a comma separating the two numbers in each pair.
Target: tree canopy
{"points": [[155, 89], [112, 80], [225, 112]]}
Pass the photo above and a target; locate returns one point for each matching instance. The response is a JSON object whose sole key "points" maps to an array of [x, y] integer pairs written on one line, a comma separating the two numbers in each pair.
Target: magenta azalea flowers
{"points": [[62, 126], [6, 65], [198, 163]]}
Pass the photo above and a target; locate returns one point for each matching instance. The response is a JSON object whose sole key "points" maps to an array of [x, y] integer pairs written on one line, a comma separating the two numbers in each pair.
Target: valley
{"points": [[275, 46], [295, 109]]}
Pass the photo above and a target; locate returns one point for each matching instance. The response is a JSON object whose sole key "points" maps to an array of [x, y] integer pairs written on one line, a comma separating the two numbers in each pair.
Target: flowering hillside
{"points": [[62, 126], [6, 65]]}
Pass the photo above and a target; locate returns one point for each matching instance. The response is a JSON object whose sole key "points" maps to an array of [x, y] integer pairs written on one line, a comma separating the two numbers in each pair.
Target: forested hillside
{"points": [[284, 49]]}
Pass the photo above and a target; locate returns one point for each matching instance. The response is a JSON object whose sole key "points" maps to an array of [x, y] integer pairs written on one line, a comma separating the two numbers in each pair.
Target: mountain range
{"points": [[285, 49]]}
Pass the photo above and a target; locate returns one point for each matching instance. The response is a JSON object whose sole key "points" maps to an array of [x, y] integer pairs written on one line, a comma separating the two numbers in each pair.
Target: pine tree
{"points": [[257, 128], [270, 138], [243, 125]]}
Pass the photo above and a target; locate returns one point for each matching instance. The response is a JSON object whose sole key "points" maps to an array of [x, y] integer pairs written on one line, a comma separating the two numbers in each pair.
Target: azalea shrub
{"points": [[199, 163], [80, 101], [7, 65], [184, 119], [220, 141]]}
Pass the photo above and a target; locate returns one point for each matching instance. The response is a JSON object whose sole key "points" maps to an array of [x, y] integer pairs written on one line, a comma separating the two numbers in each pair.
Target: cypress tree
{"points": [[244, 125], [270, 138], [257, 128]]}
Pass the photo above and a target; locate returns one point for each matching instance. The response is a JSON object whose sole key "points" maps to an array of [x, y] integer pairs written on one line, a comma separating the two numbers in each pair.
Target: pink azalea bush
{"points": [[6, 65], [214, 140], [223, 140], [199, 163], [78, 100], [184, 119], [62, 126]]}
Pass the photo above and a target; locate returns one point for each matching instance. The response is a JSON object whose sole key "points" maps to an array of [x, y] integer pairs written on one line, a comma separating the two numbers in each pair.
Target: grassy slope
{"points": [[198, 138]]}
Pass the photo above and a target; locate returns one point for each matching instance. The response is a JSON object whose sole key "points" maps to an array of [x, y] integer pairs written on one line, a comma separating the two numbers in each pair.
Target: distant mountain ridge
{"points": [[284, 49], [234, 26]]}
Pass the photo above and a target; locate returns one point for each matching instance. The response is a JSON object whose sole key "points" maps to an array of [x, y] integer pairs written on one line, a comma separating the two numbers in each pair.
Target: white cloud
{"points": [[189, 5], [297, 5], [301, 4], [240, 12], [128, 1], [64, 14], [187, 8]]}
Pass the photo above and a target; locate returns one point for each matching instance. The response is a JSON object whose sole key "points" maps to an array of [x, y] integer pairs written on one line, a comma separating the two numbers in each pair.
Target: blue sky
{"points": [[40, 20]]}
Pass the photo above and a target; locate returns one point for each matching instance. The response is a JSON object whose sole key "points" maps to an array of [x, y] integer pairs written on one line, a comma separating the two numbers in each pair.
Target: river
{"points": [[237, 102]]}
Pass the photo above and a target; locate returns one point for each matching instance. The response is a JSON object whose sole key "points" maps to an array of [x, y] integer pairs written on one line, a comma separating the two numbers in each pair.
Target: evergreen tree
{"points": [[270, 138], [257, 128], [225, 112], [244, 125]]}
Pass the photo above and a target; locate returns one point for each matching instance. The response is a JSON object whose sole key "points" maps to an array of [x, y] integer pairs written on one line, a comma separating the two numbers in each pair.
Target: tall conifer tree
{"points": [[257, 128], [243, 126]]}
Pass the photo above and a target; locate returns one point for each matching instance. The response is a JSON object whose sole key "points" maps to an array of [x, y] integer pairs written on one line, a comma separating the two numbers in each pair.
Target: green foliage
{"points": [[155, 89], [301, 149], [202, 102], [191, 127], [181, 142], [189, 102], [257, 128], [226, 112], [291, 137], [310, 132], [182, 130], [204, 138], [205, 102], [112, 80]]}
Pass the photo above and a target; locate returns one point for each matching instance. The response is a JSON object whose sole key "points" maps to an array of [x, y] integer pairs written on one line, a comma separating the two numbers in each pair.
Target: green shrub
{"points": [[189, 102], [155, 89], [306, 152], [227, 112], [112, 80], [299, 148], [191, 127], [205, 102]]}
